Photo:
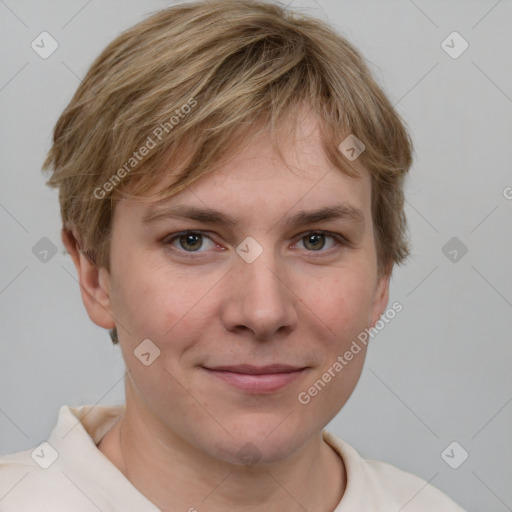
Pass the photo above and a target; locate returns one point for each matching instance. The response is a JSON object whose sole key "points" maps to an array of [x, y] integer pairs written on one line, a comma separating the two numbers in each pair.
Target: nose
{"points": [[260, 298]]}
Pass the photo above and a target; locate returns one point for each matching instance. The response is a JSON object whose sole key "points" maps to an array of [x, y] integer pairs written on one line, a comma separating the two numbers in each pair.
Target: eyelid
{"points": [[341, 241], [171, 237], [337, 236]]}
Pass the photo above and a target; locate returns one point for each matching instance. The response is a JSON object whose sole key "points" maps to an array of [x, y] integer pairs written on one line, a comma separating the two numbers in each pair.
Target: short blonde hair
{"points": [[189, 82]]}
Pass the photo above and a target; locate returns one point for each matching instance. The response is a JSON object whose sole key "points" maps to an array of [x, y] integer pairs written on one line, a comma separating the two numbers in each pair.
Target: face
{"points": [[247, 316]]}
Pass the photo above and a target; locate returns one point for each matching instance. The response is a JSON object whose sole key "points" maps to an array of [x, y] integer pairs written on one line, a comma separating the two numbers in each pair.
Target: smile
{"points": [[257, 380]]}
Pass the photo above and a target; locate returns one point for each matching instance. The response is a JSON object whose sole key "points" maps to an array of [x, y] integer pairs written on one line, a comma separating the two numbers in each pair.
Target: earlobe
{"points": [[94, 282]]}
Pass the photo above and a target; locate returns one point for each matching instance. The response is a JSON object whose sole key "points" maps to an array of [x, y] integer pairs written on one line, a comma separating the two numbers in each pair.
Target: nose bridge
{"points": [[261, 301], [262, 276]]}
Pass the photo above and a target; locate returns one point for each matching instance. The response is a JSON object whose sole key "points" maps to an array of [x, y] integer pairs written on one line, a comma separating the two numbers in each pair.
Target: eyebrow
{"points": [[210, 216]]}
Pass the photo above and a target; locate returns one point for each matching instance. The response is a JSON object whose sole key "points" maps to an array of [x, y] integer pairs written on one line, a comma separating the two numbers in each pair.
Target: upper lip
{"points": [[257, 370]]}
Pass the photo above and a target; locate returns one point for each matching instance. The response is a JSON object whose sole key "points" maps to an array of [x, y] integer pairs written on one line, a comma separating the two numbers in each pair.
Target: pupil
{"points": [[190, 239], [315, 237]]}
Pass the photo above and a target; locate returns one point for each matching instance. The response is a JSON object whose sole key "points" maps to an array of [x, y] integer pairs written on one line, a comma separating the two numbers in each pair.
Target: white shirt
{"points": [[68, 473]]}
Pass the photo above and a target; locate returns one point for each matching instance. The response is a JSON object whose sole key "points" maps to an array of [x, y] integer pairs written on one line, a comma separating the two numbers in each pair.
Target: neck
{"points": [[174, 475]]}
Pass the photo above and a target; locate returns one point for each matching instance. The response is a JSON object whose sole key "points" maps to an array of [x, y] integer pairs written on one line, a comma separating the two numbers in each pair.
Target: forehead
{"points": [[258, 180]]}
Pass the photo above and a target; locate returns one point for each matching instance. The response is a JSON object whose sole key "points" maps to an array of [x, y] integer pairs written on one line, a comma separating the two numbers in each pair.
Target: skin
{"points": [[298, 303]]}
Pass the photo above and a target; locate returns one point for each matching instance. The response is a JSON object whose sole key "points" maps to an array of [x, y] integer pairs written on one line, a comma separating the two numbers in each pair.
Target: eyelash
{"points": [[341, 241]]}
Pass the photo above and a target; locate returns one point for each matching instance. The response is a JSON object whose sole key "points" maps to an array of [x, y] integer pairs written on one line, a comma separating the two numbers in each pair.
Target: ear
{"points": [[94, 282], [381, 295]]}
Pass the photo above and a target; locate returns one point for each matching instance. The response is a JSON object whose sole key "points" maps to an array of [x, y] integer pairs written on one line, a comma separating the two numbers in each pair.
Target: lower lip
{"points": [[261, 383]]}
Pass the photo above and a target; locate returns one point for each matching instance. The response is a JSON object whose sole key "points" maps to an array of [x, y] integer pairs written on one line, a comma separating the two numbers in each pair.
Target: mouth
{"points": [[257, 379]]}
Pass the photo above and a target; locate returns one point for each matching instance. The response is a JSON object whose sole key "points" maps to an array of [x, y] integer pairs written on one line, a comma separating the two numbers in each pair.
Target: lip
{"points": [[257, 379]]}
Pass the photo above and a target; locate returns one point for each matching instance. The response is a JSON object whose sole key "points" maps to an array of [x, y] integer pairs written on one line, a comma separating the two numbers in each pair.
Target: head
{"points": [[238, 107]]}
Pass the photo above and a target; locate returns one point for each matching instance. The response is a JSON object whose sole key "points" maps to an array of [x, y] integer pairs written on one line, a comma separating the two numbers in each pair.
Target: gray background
{"points": [[439, 372]]}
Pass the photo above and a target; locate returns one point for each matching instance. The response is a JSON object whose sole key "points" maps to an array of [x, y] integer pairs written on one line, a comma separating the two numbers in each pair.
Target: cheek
{"points": [[144, 298], [343, 301], [344, 306], [170, 308]]}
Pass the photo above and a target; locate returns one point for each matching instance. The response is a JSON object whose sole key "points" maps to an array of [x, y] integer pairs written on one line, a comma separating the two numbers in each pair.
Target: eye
{"points": [[189, 241], [314, 241]]}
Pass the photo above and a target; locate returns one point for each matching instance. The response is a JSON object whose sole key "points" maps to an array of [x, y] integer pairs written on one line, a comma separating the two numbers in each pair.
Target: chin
{"points": [[260, 440]]}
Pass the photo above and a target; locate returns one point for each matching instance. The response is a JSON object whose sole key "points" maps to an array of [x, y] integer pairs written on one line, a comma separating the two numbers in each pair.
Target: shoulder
{"points": [[406, 489], [25, 485], [377, 485], [43, 477], [36, 479], [68, 471]]}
